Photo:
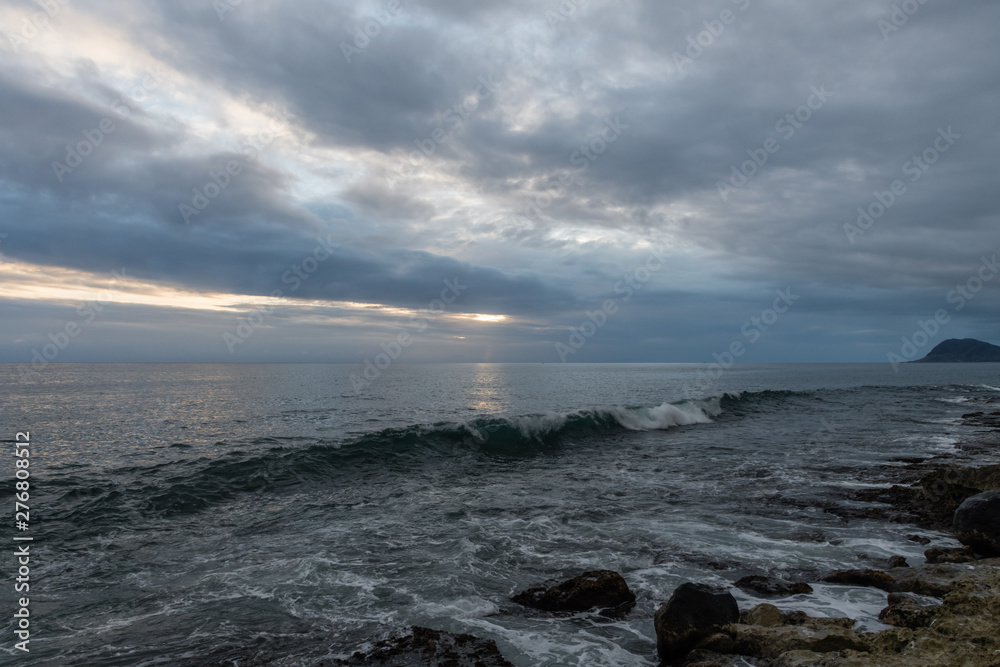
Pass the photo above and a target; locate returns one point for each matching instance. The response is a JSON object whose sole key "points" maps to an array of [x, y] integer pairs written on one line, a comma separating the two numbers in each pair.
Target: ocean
{"points": [[279, 514]]}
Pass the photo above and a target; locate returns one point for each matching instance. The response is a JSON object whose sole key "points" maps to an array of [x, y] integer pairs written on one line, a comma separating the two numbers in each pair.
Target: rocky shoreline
{"points": [[945, 611]]}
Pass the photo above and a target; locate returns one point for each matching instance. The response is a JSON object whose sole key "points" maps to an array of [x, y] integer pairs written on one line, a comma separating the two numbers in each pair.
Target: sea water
{"points": [[280, 514]]}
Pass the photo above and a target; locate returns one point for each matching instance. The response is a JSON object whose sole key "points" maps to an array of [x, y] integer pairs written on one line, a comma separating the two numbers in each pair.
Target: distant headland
{"points": [[965, 350]]}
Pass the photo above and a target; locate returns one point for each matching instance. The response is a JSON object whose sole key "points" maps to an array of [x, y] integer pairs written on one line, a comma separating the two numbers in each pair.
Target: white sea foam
{"points": [[666, 415]]}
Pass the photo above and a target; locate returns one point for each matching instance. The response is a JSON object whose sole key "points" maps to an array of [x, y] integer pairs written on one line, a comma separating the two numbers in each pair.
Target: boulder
{"points": [[693, 613], [867, 577], [977, 523], [898, 561], [961, 555], [772, 588], [766, 615], [603, 589], [424, 646]]}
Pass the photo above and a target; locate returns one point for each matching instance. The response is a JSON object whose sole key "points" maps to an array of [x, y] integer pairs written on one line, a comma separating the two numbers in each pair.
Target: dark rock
{"points": [[692, 613], [770, 587], [977, 523], [867, 577], [794, 617], [802, 618], [720, 642], [982, 419], [960, 555], [898, 561], [599, 588], [706, 658], [919, 539], [431, 648], [932, 502], [908, 611]]}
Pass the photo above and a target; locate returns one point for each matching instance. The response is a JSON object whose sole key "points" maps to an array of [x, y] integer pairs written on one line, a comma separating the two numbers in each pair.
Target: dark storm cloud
{"points": [[698, 89]]}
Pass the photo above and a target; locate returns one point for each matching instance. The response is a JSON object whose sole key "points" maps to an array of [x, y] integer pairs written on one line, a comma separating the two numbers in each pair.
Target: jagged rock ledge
{"points": [[960, 626]]}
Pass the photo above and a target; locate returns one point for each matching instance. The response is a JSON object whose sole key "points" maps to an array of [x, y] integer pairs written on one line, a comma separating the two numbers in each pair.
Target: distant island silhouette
{"points": [[965, 350]]}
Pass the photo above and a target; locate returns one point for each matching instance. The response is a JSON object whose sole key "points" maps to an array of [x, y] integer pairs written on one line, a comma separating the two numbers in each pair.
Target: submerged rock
{"points": [[771, 587], [867, 577], [431, 648], [977, 523], [603, 589], [693, 613]]}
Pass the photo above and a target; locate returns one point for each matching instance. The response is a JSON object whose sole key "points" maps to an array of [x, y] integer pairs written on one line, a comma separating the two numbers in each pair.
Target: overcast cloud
{"points": [[667, 168]]}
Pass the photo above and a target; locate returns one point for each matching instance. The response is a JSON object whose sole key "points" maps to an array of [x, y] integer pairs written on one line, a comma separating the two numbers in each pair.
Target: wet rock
{"points": [[604, 589], [919, 539], [769, 643], [898, 561], [705, 658], [802, 618], [771, 587], [982, 419], [965, 628], [960, 555], [799, 659], [692, 613], [932, 501], [720, 642], [866, 577], [977, 523], [765, 615], [906, 610], [431, 648], [936, 580]]}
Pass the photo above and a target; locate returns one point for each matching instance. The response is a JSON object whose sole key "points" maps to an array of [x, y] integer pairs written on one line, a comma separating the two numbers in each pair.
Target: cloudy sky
{"points": [[501, 180]]}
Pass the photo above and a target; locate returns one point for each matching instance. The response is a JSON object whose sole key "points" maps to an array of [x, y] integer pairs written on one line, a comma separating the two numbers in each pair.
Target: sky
{"points": [[558, 181]]}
